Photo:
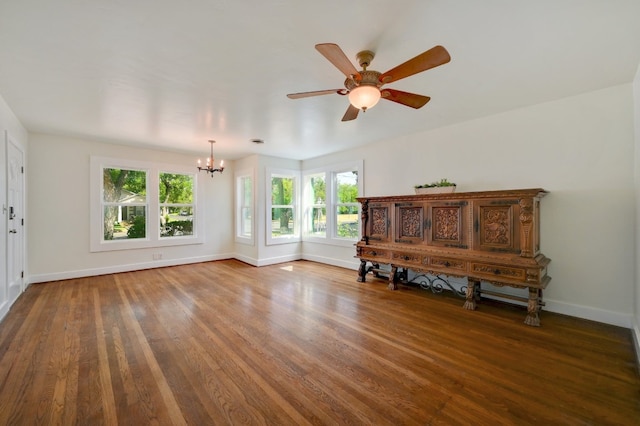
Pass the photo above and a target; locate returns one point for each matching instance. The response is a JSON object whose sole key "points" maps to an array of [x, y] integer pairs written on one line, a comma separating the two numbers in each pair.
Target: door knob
{"points": [[13, 231]]}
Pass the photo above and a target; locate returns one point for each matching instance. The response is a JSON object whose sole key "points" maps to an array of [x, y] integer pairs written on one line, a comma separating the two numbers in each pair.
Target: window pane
{"points": [[245, 222], [124, 222], [247, 188], [175, 193], [124, 186], [244, 208], [318, 189], [281, 221], [347, 221], [176, 221], [124, 216], [318, 221], [347, 183], [176, 188], [281, 191]]}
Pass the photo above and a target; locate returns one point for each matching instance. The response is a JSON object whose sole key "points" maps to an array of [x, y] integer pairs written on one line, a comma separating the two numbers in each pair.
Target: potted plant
{"points": [[438, 187]]}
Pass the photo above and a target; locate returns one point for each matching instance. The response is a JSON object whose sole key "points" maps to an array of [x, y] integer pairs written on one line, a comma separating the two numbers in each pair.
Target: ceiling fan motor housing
{"points": [[367, 78]]}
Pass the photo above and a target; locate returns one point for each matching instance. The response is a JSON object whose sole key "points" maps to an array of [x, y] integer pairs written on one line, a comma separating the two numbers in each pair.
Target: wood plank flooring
{"points": [[299, 343]]}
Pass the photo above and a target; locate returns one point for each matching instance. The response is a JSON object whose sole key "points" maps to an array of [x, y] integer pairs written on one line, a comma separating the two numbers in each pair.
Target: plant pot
{"points": [[436, 190]]}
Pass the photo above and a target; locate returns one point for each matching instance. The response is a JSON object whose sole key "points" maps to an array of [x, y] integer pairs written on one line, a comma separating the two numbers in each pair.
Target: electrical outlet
{"points": [[157, 256]]}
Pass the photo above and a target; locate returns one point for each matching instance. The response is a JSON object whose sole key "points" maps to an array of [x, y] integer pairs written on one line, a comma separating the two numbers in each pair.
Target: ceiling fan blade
{"points": [[405, 98], [314, 93], [432, 58], [336, 56], [351, 114]]}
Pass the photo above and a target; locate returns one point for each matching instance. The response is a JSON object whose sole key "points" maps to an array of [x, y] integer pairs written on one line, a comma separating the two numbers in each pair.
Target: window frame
{"points": [[152, 239], [292, 238], [240, 206], [331, 202]]}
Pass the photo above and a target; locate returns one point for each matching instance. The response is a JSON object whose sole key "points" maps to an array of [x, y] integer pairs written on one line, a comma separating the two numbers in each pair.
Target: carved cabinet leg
{"points": [[470, 303], [362, 271], [533, 307], [392, 278], [376, 268]]}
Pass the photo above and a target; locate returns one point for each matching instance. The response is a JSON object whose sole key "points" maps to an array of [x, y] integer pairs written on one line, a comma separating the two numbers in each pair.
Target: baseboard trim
{"points": [[588, 313], [246, 259], [66, 275], [276, 260], [4, 309], [354, 264], [635, 333]]}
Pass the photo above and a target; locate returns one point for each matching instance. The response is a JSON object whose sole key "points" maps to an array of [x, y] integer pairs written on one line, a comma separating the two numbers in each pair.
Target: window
{"points": [[176, 205], [124, 204], [316, 206], [244, 207], [346, 205], [282, 223], [331, 211], [137, 204]]}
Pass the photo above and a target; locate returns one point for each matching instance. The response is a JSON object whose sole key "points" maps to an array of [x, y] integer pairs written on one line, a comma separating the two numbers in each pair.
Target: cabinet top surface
{"points": [[519, 193]]}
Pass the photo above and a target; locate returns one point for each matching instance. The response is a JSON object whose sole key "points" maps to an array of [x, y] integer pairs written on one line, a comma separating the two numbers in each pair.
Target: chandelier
{"points": [[209, 168]]}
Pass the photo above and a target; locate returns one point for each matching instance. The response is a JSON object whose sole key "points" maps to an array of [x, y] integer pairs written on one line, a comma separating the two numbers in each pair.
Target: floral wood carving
{"points": [[449, 263], [379, 221], [446, 224], [496, 225], [490, 269], [411, 222]]}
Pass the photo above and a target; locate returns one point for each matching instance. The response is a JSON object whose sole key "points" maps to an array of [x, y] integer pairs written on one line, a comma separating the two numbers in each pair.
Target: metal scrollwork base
{"points": [[437, 284]]}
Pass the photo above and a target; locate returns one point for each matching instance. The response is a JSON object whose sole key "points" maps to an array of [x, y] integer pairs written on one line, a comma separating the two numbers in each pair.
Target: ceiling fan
{"points": [[364, 87]]}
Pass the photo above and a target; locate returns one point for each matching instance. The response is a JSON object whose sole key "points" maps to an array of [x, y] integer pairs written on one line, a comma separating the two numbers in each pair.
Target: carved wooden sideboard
{"points": [[490, 236]]}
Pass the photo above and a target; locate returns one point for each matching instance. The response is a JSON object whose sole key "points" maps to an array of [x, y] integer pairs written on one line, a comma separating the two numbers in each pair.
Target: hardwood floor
{"points": [[299, 343]]}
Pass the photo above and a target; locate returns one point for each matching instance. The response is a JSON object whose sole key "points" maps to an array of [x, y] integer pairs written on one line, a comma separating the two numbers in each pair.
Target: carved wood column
{"points": [[526, 225], [364, 214]]}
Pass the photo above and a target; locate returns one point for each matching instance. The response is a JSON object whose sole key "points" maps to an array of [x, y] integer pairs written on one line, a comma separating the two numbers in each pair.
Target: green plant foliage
{"points": [[348, 230], [178, 227], [138, 229], [441, 182], [176, 188]]}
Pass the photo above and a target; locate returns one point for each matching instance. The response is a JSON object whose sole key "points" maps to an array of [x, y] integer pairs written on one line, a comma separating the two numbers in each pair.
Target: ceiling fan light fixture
{"points": [[364, 96]]}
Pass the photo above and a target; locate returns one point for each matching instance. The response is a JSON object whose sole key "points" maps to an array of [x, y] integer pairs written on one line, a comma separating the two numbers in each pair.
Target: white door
{"points": [[15, 220]]}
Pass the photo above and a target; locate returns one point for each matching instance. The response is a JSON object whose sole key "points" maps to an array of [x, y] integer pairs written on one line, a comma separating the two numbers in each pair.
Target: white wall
{"points": [[9, 124], [58, 215], [581, 149]]}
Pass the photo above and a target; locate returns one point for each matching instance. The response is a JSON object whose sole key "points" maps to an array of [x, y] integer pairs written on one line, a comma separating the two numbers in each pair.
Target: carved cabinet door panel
{"points": [[448, 224], [496, 225], [379, 222], [409, 226]]}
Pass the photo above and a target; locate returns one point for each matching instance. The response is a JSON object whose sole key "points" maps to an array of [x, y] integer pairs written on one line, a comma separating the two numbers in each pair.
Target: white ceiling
{"points": [[173, 74]]}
